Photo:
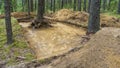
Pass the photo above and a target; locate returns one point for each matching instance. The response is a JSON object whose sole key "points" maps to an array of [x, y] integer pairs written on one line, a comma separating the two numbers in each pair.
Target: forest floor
{"points": [[17, 52], [64, 45]]}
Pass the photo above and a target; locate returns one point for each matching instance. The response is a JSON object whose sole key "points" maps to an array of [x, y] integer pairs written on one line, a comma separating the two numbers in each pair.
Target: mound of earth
{"points": [[81, 18], [102, 51], [66, 14], [19, 15]]}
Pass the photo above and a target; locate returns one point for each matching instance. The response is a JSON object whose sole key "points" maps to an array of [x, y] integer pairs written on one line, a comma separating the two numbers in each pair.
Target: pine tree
{"points": [[79, 4], [94, 18], [119, 7], [7, 8]]}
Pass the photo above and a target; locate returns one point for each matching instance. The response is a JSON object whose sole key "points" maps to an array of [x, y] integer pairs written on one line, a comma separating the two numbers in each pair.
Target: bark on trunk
{"points": [[41, 9], [79, 5], [119, 7], [74, 5], [94, 18], [84, 8], [8, 21]]}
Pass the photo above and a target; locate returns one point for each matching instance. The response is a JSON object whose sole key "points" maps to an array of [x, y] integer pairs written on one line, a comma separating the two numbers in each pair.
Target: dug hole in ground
{"points": [[101, 51]]}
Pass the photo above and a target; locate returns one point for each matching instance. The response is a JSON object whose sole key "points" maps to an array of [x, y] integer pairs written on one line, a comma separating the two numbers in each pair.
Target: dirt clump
{"points": [[66, 14], [81, 18]]}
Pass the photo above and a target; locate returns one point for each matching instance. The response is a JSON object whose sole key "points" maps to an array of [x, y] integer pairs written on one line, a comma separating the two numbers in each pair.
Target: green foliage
{"points": [[19, 6]]}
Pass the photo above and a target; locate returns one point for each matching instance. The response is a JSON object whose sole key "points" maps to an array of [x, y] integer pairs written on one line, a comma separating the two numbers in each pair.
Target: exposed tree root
{"points": [[40, 23]]}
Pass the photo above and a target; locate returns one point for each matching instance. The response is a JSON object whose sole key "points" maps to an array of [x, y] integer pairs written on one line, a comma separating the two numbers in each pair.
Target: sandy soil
{"points": [[102, 51], [53, 41]]}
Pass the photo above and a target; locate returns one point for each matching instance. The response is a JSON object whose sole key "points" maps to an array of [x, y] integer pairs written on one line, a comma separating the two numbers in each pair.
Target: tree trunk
{"points": [[11, 6], [89, 2], [84, 8], [62, 4], [41, 8], [31, 5], [74, 5], [28, 8], [23, 3], [94, 18], [0, 4], [119, 7], [109, 4], [35, 5], [104, 5], [79, 5], [8, 21], [53, 5]]}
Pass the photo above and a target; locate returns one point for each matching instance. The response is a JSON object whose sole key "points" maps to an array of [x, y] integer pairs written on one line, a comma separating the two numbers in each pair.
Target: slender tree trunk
{"points": [[62, 4], [89, 1], [23, 5], [31, 5], [35, 4], [104, 5], [74, 7], [94, 18], [47, 5], [41, 8], [12, 6], [119, 7], [8, 21], [51, 5], [28, 8], [109, 4], [1, 2], [54, 5], [84, 8], [79, 4]]}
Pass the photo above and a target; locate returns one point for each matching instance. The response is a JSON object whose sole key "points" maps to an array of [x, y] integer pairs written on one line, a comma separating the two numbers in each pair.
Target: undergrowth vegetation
{"points": [[19, 50]]}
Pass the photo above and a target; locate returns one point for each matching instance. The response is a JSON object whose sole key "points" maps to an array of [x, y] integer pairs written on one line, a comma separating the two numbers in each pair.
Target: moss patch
{"points": [[19, 48]]}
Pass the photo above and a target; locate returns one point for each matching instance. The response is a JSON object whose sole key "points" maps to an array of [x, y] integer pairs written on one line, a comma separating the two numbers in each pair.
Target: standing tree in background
{"points": [[8, 21], [31, 5], [109, 4], [94, 18], [28, 8], [119, 7], [84, 8], [39, 21], [79, 5], [0, 4], [41, 10], [23, 4], [104, 5], [54, 5], [74, 7], [51, 5], [89, 2], [62, 4]]}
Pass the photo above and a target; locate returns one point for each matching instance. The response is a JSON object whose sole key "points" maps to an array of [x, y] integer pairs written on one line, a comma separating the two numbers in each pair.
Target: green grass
{"points": [[18, 48], [112, 14]]}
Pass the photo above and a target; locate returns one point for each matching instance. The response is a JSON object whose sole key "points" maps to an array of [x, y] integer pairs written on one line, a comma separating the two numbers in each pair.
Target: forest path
{"points": [[53, 41]]}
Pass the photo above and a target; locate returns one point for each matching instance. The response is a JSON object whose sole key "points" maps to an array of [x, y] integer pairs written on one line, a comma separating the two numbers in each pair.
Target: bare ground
{"points": [[53, 41], [102, 51]]}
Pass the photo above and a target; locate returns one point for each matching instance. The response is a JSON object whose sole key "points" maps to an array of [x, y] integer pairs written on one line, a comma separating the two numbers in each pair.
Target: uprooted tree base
{"points": [[40, 23]]}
